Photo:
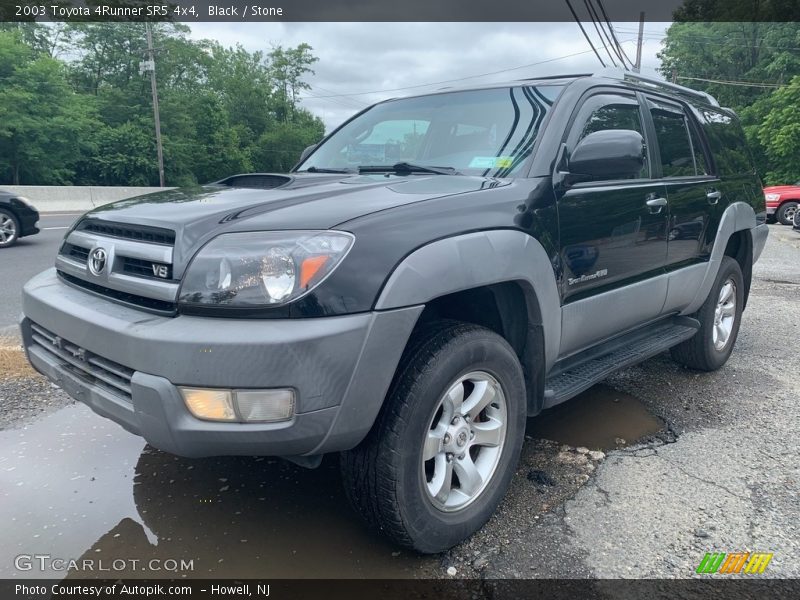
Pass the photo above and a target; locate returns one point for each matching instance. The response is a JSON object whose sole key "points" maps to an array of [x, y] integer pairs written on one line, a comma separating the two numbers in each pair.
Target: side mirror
{"points": [[304, 154], [611, 153]]}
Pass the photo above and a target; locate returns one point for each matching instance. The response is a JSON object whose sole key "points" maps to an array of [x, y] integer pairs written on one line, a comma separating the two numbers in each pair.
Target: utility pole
{"points": [[638, 66], [150, 65]]}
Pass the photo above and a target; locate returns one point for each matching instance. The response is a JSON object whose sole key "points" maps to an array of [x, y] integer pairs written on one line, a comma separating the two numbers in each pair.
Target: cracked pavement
{"points": [[723, 476]]}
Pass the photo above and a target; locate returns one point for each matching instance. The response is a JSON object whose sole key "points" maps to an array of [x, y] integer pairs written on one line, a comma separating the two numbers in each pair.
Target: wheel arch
{"points": [[734, 238], [505, 282]]}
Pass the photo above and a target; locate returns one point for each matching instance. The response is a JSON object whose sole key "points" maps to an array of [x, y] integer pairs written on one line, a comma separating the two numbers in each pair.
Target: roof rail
{"points": [[619, 74], [568, 76]]}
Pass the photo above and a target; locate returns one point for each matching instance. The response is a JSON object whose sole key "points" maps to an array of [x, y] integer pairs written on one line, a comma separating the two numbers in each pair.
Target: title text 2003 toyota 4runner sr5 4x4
{"points": [[436, 270]]}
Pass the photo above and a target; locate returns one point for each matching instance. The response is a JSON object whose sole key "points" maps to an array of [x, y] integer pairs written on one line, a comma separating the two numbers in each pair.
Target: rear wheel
{"points": [[720, 317], [9, 229], [786, 212], [442, 453]]}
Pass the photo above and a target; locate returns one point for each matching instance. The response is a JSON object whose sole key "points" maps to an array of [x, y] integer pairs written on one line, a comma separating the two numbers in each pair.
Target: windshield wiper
{"points": [[324, 170], [407, 167]]}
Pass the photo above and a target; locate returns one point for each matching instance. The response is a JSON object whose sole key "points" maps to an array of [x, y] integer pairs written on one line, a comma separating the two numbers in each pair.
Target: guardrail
{"points": [[50, 198]]}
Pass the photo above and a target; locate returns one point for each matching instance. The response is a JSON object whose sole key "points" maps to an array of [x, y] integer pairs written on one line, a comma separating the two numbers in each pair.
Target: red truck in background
{"points": [[782, 202]]}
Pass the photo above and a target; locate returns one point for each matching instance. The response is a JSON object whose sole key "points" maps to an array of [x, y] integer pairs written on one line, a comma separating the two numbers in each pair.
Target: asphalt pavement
{"points": [[24, 260], [638, 477]]}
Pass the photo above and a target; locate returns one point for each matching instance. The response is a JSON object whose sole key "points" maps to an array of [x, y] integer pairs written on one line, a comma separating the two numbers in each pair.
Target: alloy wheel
{"points": [[464, 442], [724, 315], [8, 230]]}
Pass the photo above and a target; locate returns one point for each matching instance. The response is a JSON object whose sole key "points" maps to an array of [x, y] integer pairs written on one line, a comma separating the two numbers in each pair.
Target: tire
{"points": [[387, 479], [707, 351], [9, 229], [786, 211]]}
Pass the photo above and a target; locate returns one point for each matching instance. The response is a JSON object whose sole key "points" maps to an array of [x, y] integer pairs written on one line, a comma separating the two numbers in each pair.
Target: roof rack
{"points": [[619, 74], [568, 76]]}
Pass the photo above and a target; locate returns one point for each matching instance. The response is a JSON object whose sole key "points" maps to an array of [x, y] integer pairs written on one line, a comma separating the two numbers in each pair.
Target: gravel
{"points": [[26, 398]]}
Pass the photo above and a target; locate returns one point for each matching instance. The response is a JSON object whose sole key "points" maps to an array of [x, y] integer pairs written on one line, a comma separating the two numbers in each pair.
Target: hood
{"points": [[277, 202], [782, 189]]}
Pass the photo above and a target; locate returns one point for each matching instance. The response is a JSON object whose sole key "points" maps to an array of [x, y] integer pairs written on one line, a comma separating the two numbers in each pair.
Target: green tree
{"points": [[779, 132], [75, 107], [279, 148], [741, 63], [42, 121], [288, 67]]}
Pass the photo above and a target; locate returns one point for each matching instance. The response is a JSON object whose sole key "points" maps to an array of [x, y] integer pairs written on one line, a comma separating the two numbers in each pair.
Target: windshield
{"points": [[480, 132]]}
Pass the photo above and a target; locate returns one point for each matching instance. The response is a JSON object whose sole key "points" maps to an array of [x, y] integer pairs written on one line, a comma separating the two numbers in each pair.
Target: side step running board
{"points": [[623, 352]]}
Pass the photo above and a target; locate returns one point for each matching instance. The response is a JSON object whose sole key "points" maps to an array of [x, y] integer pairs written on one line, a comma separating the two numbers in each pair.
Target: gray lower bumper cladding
{"points": [[339, 367]]}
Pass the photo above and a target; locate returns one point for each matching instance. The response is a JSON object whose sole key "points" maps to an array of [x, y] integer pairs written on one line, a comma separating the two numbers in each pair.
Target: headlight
{"points": [[262, 269], [772, 197]]}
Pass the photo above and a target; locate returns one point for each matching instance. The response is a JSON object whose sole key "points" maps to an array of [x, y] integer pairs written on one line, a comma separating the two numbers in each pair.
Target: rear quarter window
{"points": [[726, 140]]}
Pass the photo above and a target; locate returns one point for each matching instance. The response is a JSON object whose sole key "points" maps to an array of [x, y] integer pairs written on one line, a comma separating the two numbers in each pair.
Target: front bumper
{"points": [[28, 221], [771, 210], [340, 368]]}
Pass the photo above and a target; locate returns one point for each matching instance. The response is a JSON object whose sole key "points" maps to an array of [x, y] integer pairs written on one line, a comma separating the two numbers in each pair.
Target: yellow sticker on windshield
{"points": [[491, 162]]}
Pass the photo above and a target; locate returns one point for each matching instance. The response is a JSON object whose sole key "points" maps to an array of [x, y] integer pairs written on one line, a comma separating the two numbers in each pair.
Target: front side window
{"points": [[613, 116], [606, 111], [478, 132]]}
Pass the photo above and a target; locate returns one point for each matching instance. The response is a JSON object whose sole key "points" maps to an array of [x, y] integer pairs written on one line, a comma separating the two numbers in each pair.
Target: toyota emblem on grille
{"points": [[97, 261]]}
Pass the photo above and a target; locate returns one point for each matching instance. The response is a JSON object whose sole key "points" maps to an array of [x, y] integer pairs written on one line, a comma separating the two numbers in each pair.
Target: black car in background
{"points": [[18, 218]]}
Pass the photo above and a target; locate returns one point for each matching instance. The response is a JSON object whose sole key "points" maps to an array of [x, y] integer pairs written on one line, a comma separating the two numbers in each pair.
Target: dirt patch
{"points": [[13, 363]]}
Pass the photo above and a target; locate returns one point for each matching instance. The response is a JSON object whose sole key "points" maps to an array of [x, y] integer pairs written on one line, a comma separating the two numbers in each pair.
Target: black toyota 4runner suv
{"points": [[433, 272]]}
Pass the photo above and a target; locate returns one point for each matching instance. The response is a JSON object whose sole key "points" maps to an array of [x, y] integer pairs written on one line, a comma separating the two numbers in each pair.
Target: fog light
{"points": [[211, 405], [239, 405], [264, 405]]}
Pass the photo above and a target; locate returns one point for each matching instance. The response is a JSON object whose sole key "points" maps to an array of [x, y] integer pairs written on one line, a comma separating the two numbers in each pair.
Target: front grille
{"points": [[145, 268], [89, 367], [159, 306], [78, 253], [139, 233]]}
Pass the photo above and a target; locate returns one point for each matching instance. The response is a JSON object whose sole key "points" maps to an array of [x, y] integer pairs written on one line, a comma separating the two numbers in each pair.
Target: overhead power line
{"points": [[601, 32], [759, 84], [586, 35], [620, 51], [423, 85]]}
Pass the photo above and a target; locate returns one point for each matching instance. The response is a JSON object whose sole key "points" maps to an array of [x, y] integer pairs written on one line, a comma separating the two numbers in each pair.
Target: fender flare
{"points": [[739, 216], [484, 258]]}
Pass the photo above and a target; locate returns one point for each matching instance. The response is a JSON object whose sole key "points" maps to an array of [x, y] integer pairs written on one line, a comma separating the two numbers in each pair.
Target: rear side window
{"points": [[700, 160], [672, 134]]}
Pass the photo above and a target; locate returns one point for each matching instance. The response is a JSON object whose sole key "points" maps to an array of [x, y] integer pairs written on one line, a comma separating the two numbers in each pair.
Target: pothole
{"points": [[601, 418]]}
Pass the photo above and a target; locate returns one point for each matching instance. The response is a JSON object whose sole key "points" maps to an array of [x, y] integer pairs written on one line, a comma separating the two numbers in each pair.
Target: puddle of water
{"points": [[76, 486], [595, 419]]}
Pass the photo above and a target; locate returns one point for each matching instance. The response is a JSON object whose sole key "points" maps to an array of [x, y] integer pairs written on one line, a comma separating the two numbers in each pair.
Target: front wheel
{"points": [[786, 212], [720, 317], [441, 455]]}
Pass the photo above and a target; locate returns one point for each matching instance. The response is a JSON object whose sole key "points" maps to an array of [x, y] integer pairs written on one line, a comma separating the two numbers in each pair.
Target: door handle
{"points": [[656, 205], [713, 196]]}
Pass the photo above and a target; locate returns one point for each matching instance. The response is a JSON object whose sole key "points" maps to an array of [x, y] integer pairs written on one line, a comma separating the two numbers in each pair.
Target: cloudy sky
{"points": [[361, 63]]}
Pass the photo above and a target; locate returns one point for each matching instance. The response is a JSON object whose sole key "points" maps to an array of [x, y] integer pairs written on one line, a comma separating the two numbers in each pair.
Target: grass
{"points": [[13, 363]]}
